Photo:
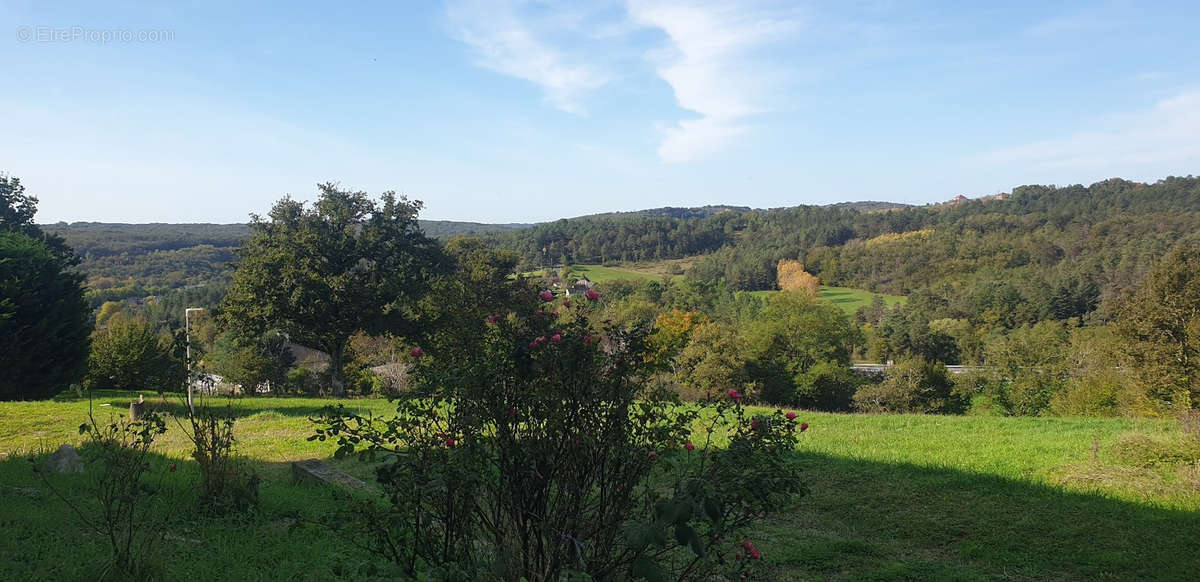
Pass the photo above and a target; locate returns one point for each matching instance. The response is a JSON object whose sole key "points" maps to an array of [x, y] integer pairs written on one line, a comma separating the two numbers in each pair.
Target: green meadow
{"points": [[846, 298], [901, 497], [849, 300]]}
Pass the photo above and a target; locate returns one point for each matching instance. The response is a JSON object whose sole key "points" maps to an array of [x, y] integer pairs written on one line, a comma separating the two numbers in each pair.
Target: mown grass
{"points": [[634, 271], [849, 300], [602, 274], [893, 498]]}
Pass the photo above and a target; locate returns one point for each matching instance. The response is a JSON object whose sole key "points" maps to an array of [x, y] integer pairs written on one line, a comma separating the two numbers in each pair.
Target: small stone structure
{"points": [[64, 460], [316, 471], [137, 409]]}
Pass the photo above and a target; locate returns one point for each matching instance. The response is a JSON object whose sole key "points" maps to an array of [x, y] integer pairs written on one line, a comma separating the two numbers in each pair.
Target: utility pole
{"points": [[187, 332]]}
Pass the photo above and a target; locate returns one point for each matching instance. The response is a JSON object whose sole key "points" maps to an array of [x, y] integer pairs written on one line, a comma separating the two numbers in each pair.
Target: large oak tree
{"points": [[321, 273]]}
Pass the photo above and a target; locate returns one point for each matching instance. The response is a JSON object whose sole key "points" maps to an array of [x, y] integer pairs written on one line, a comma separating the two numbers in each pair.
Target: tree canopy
{"points": [[321, 273], [44, 321]]}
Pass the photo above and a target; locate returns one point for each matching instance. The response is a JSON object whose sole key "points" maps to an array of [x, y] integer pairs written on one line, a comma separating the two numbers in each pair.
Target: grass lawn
{"points": [[849, 300], [600, 274], [893, 498], [641, 271]]}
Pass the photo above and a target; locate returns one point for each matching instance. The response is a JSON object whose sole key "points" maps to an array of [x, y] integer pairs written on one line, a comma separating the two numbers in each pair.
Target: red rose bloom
{"points": [[546, 295], [417, 352], [803, 427], [750, 549], [592, 295], [734, 394], [690, 447], [791, 416]]}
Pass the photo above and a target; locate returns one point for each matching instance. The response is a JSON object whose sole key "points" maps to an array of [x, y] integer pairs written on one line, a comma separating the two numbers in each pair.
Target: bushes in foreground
{"points": [[530, 449], [913, 385]]}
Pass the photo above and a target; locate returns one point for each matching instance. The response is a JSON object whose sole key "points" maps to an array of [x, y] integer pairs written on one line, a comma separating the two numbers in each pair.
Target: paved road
{"points": [[883, 368]]}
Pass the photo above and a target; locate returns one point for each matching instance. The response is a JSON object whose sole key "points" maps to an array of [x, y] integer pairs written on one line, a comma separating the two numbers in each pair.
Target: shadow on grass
{"points": [[45, 539], [174, 404], [864, 520], [885, 521]]}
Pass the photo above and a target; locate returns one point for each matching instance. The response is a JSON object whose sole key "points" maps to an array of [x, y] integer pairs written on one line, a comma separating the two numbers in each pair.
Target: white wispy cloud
{"points": [[712, 66], [1151, 140], [508, 40]]}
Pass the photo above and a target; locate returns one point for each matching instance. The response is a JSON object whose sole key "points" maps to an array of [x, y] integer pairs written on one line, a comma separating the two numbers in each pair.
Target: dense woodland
{"points": [[1039, 287]]}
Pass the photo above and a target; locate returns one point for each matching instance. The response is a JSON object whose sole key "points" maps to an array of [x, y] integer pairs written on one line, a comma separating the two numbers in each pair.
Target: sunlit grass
{"points": [[893, 497]]}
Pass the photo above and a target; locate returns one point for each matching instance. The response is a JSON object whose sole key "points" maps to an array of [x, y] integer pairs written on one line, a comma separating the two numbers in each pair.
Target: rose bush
{"points": [[535, 448]]}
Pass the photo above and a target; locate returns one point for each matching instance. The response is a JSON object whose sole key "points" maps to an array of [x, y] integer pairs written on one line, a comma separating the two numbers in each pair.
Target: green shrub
{"points": [[532, 448], [132, 355], [1147, 451], [225, 484], [828, 386], [124, 508], [303, 381], [913, 385], [1095, 394]]}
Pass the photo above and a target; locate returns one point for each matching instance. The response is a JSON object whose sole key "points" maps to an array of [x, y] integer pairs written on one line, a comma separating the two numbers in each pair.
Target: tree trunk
{"points": [[336, 379]]}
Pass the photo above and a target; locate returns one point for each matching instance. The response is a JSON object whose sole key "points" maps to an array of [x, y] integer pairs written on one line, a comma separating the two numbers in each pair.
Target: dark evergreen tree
{"points": [[44, 321]]}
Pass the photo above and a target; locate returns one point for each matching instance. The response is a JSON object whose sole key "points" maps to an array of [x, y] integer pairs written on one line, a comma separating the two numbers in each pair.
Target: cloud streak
{"points": [[712, 67], [1166, 134], [507, 42]]}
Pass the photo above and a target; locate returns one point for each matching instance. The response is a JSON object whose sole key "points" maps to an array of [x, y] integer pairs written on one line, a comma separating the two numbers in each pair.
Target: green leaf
{"points": [[682, 512], [712, 508], [644, 567]]}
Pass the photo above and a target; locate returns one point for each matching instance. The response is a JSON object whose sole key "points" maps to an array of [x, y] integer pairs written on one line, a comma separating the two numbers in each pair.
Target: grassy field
{"points": [[643, 271], [893, 498], [849, 300]]}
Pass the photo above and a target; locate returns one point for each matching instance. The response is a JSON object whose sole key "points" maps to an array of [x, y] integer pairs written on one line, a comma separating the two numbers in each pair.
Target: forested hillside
{"points": [[134, 261], [1064, 249], [1041, 252]]}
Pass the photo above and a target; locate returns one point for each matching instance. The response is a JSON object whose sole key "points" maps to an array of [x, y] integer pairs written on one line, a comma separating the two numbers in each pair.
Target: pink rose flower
{"points": [[791, 416], [690, 447], [491, 318], [546, 295], [592, 295], [556, 338], [734, 394], [417, 352], [750, 549]]}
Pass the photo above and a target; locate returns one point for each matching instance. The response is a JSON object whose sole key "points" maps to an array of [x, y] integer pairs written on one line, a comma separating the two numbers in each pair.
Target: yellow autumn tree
{"points": [[671, 333], [792, 277]]}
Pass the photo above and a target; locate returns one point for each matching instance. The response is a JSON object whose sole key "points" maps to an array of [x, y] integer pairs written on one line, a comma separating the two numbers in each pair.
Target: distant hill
{"points": [[133, 261], [869, 206], [670, 212], [1032, 242], [448, 228]]}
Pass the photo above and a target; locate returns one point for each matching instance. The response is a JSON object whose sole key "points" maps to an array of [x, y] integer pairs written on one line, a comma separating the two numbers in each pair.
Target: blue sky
{"points": [[527, 111]]}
